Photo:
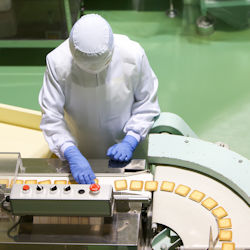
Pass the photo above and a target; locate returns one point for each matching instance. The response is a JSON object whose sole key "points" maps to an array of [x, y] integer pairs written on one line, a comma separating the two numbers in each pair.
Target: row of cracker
{"points": [[9, 184], [197, 196]]}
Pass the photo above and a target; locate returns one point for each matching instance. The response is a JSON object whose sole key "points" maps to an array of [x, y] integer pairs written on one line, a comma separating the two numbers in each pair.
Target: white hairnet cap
{"points": [[91, 43]]}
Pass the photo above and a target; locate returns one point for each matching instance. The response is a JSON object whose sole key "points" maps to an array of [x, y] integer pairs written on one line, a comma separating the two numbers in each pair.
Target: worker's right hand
{"points": [[79, 166]]}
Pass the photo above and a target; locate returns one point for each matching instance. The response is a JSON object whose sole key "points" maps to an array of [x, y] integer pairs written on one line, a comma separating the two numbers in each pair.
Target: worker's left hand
{"points": [[123, 151]]}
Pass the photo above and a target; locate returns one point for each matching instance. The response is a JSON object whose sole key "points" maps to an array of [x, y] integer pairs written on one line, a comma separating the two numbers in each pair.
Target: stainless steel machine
{"points": [[201, 200], [72, 214]]}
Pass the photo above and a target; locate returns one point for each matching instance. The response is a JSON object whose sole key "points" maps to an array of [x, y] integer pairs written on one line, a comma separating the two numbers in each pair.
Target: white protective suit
{"points": [[94, 100]]}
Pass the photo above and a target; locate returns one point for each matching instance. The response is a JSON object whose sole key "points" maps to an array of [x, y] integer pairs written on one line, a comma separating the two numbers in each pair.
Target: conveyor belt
{"points": [[190, 219]]}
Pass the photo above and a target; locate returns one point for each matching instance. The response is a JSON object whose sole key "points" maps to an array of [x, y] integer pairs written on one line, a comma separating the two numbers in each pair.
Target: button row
{"points": [[94, 188]]}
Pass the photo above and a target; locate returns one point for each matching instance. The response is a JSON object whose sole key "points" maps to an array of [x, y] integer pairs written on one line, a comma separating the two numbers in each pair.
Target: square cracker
{"points": [[45, 182], [30, 182], [209, 203], [60, 182], [151, 185], [219, 212], [71, 182], [225, 235], [19, 182], [4, 182], [197, 196], [225, 223], [167, 186], [228, 246], [136, 185], [182, 190], [121, 185]]}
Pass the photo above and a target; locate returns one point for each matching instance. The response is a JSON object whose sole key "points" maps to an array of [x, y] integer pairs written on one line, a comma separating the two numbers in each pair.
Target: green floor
{"points": [[204, 80]]}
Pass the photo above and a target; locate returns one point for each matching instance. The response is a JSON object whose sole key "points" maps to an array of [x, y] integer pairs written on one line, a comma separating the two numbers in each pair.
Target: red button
{"points": [[26, 187], [94, 187]]}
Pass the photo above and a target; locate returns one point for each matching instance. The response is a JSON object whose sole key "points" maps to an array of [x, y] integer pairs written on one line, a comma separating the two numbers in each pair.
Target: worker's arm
{"points": [[54, 127], [144, 111], [145, 108]]}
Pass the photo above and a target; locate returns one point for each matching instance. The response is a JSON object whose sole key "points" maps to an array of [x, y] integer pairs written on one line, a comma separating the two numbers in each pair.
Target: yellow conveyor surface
{"points": [[20, 132]]}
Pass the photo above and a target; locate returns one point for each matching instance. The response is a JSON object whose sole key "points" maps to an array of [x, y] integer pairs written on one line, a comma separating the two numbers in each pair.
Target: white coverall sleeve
{"points": [[53, 125], [145, 108]]}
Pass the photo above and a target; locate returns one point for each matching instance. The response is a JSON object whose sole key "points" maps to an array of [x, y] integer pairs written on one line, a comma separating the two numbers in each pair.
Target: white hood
{"points": [[91, 43]]}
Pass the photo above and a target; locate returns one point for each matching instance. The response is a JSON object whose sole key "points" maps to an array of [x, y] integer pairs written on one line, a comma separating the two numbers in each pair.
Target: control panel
{"points": [[63, 200]]}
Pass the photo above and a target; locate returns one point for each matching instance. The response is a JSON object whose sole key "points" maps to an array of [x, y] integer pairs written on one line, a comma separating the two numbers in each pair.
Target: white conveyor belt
{"points": [[189, 219]]}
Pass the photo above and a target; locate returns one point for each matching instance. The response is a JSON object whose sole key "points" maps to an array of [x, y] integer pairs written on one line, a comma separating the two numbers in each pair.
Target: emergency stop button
{"points": [[94, 188], [26, 187]]}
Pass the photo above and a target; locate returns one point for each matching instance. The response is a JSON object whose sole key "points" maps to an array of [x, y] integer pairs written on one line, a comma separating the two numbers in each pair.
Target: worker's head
{"points": [[91, 43]]}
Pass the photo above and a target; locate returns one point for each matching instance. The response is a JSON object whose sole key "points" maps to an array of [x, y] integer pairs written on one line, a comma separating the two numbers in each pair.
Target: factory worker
{"points": [[99, 97]]}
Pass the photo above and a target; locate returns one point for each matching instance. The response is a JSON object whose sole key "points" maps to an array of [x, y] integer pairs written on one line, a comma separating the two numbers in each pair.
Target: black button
{"points": [[68, 188], [54, 188], [39, 188], [81, 191]]}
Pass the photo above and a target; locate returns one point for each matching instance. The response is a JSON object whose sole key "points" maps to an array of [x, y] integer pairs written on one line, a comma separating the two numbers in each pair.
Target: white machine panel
{"points": [[76, 199]]}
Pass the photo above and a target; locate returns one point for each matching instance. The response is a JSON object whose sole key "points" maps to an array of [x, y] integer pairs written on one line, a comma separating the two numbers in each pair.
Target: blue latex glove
{"points": [[123, 151], [79, 166]]}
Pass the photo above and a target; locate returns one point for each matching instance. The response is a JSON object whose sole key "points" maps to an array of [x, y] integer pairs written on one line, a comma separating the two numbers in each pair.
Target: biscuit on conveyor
{"points": [[209, 203], [4, 182], [121, 185], [196, 196], [70, 182], [136, 185], [151, 185], [225, 235], [219, 212], [167, 186], [19, 182], [45, 182], [30, 182], [225, 223], [228, 246], [60, 182], [12, 182], [182, 190]]}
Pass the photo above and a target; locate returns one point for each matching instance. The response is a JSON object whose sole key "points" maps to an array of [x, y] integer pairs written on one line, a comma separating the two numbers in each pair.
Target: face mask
{"points": [[91, 43], [94, 66]]}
